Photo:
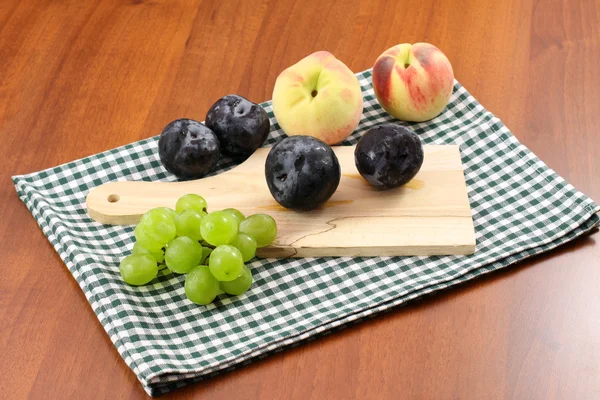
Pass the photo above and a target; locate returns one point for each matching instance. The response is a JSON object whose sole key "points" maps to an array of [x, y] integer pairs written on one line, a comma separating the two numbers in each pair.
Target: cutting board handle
{"points": [[123, 203]]}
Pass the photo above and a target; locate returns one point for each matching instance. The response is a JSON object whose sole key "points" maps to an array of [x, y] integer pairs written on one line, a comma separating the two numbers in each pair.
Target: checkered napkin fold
{"points": [[520, 208]]}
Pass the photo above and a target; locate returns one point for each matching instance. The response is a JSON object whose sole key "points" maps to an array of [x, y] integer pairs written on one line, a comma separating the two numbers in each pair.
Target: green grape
{"points": [[191, 202], [146, 241], [219, 228], [159, 256], [205, 254], [169, 211], [183, 254], [138, 269], [187, 223], [236, 213], [201, 287], [159, 225], [157, 212], [239, 285], [163, 267], [261, 227], [245, 244], [226, 263]]}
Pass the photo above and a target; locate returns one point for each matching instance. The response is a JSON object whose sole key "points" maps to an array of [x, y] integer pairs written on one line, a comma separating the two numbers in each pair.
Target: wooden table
{"points": [[78, 77]]}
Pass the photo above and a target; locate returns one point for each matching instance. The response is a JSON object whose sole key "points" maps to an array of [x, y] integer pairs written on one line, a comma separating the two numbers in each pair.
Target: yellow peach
{"points": [[318, 96]]}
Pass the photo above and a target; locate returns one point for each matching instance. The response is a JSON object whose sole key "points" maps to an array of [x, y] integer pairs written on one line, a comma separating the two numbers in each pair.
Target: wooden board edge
{"points": [[391, 251]]}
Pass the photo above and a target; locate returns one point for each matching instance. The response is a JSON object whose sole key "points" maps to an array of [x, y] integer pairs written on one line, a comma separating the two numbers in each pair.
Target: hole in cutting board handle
{"points": [[113, 198]]}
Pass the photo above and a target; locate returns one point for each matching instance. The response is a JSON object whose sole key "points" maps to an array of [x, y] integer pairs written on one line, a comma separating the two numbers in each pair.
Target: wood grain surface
{"points": [[81, 76], [430, 215]]}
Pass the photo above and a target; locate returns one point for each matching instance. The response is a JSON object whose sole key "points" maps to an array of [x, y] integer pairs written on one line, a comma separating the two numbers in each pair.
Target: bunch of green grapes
{"points": [[211, 248]]}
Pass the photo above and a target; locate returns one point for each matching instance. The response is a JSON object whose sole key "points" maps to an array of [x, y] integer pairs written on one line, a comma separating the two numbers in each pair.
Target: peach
{"points": [[413, 82], [318, 96]]}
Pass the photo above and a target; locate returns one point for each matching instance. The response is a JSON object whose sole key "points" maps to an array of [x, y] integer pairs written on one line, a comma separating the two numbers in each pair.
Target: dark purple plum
{"points": [[388, 155], [188, 149], [241, 126], [302, 172]]}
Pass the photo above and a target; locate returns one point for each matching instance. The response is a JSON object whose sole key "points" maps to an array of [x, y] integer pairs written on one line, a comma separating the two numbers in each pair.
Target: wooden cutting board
{"points": [[430, 215]]}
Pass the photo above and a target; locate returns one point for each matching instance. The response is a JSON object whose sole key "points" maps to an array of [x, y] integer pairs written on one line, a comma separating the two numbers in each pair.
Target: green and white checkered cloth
{"points": [[520, 208]]}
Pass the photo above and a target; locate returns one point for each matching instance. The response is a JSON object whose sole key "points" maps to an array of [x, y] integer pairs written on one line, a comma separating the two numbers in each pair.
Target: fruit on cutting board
{"points": [[246, 244], [210, 248], [241, 125], [261, 227], [219, 227], [388, 155], [191, 202], [183, 254], [237, 214], [187, 223], [413, 82], [319, 96], [302, 172], [226, 263], [188, 149]]}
